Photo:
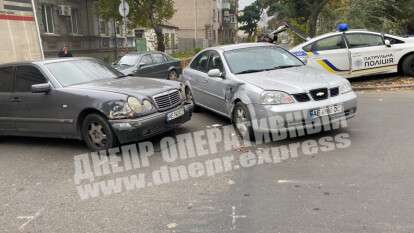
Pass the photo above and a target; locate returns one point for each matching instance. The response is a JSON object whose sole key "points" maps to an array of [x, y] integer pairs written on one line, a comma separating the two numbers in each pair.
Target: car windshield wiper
{"points": [[252, 71], [121, 76], [284, 67]]}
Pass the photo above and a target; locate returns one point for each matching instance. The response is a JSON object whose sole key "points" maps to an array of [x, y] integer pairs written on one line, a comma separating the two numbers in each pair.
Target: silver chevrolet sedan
{"points": [[254, 81]]}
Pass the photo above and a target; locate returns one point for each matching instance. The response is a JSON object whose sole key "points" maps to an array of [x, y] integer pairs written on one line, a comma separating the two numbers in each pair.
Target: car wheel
{"points": [[408, 65], [97, 133], [242, 121], [189, 97], [173, 75]]}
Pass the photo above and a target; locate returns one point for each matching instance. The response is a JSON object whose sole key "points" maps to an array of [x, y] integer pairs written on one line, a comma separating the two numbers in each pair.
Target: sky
{"points": [[244, 3]]}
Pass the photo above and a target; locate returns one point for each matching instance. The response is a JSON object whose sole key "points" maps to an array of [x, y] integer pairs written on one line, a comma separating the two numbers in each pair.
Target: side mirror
{"points": [[215, 73], [41, 88], [388, 43]]}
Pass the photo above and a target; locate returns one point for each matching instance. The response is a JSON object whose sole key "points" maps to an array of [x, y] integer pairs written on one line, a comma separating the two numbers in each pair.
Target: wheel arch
{"points": [[400, 63]]}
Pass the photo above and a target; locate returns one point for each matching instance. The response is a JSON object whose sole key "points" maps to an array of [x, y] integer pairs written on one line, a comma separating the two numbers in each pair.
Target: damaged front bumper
{"points": [[134, 130]]}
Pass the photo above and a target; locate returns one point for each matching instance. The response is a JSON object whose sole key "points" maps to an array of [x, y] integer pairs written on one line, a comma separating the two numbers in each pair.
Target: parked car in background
{"points": [[245, 82], [150, 64], [356, 53], [82, 98]]}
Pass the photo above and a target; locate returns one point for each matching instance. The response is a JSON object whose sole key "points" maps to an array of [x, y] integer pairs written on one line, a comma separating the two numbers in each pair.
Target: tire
{"points": [[408, 65], [242, 122], [173, 75], [97, 133]]}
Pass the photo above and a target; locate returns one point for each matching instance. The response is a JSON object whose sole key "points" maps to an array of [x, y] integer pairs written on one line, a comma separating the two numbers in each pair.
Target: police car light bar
{"points": [[343, 27]]}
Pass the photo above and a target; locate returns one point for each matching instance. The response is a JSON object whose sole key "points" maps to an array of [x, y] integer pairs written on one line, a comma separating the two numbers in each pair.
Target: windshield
{"points": [[259, 59], [70, 73], [129, 60]]}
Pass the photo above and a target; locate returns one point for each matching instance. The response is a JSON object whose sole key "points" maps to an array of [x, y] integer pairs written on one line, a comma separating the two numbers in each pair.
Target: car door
{"points": [[146, 67], [7, 122], [370, 55], [36, 113], [198, 78], [161, 65], [331, 54], [216, 86]]}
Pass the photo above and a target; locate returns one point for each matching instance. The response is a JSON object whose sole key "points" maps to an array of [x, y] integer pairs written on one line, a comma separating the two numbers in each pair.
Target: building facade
{"points": [[205, 23], [77, 24]]}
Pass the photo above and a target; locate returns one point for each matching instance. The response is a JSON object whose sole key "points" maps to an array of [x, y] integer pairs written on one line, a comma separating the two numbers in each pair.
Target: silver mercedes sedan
{"points": [[254, 82]]}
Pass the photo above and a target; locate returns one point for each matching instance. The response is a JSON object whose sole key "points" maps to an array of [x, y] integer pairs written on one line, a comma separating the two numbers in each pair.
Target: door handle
{"points": [[15, 99]]}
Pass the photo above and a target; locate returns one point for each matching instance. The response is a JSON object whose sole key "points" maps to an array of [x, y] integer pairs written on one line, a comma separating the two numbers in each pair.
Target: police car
{"points": [[355, 53]]}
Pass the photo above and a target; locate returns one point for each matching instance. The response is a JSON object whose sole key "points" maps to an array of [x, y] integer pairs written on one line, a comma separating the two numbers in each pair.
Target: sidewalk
{"points": [[382, 82]]}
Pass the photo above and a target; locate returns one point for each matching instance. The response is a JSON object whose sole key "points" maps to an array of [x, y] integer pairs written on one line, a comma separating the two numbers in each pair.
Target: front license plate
{"points": [[326, 111], [176, 114]]}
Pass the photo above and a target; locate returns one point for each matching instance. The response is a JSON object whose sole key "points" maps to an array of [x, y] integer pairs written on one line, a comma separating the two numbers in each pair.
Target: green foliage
{"points": [[250, 18], [143, 13]]}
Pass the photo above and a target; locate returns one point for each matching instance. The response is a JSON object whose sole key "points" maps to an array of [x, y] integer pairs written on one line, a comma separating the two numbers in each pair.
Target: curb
{"points": [[383, 87]]}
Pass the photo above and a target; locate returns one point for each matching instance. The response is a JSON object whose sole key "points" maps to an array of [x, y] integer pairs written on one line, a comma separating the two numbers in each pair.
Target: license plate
{"points": [[326, 111], [176, 114]]}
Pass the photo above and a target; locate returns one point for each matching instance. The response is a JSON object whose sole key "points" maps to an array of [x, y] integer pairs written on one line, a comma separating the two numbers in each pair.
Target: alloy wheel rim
{"points": [[241, 121], [173, 76], [97, 134]]}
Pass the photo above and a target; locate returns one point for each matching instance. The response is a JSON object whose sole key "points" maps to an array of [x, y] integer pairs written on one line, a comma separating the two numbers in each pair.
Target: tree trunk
{"points": [[160, 38], [313, 18]]}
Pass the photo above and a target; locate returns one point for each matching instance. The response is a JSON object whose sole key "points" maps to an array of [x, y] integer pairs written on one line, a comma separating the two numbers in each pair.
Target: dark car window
{"points": [[147, 60], [360, 40], [330, 43], [215, 62], [70, 73], [26, 76], [158, 58], [6, 79], [201, 62], [129, 60]]}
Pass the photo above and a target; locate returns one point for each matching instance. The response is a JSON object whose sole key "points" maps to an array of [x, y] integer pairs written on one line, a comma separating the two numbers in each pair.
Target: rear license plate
{"points": [[326, 111], [176, 114]]}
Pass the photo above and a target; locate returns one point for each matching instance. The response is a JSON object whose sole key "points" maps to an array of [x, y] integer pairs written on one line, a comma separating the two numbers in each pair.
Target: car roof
{"points": [[239, 46], [45, 61]]}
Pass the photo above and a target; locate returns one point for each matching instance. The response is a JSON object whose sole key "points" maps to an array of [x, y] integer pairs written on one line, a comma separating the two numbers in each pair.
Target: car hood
{"points": [[132, 86], [292, 80]]}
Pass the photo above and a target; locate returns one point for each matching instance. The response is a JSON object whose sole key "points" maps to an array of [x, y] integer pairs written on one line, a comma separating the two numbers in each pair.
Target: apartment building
{"points": [[205, 23]]}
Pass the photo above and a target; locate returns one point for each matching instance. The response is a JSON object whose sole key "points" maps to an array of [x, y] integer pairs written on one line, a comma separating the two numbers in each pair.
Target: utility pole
{"points": [[115, 36]]}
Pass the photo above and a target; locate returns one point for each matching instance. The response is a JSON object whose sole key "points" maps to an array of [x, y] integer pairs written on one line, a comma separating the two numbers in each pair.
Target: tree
{"points": [[251, 18], [145, 13], [153, 14], [302, 12]]}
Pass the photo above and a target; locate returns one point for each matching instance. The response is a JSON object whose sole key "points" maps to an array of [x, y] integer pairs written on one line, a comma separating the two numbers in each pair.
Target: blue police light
{"points": [[343, 27]]}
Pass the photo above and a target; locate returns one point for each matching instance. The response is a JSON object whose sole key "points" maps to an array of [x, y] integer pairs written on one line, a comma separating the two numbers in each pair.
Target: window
{"points": [[6, 79], [26, 76], [147, 60], [360, 40], [394, 41], [158, 58], [102, 26], [330, 43], [75, 21], [47, 18], [215, 62], [70, 73], [201, 63]]}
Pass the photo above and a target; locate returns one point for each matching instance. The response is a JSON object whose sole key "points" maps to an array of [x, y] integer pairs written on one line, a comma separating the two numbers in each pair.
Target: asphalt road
{"points": [[367, 187]]}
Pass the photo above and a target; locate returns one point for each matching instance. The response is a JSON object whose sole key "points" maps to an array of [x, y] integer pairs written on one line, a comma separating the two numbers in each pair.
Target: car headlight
{"points": [[135, 105], [182, 91], [345, 88], [276, 98], [148, 106]]}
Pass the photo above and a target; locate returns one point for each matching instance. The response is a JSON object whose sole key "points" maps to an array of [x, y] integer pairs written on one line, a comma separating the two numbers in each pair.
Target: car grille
{"points": [[168, 100], [319, 94], [303, 97], [334, 91]]}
